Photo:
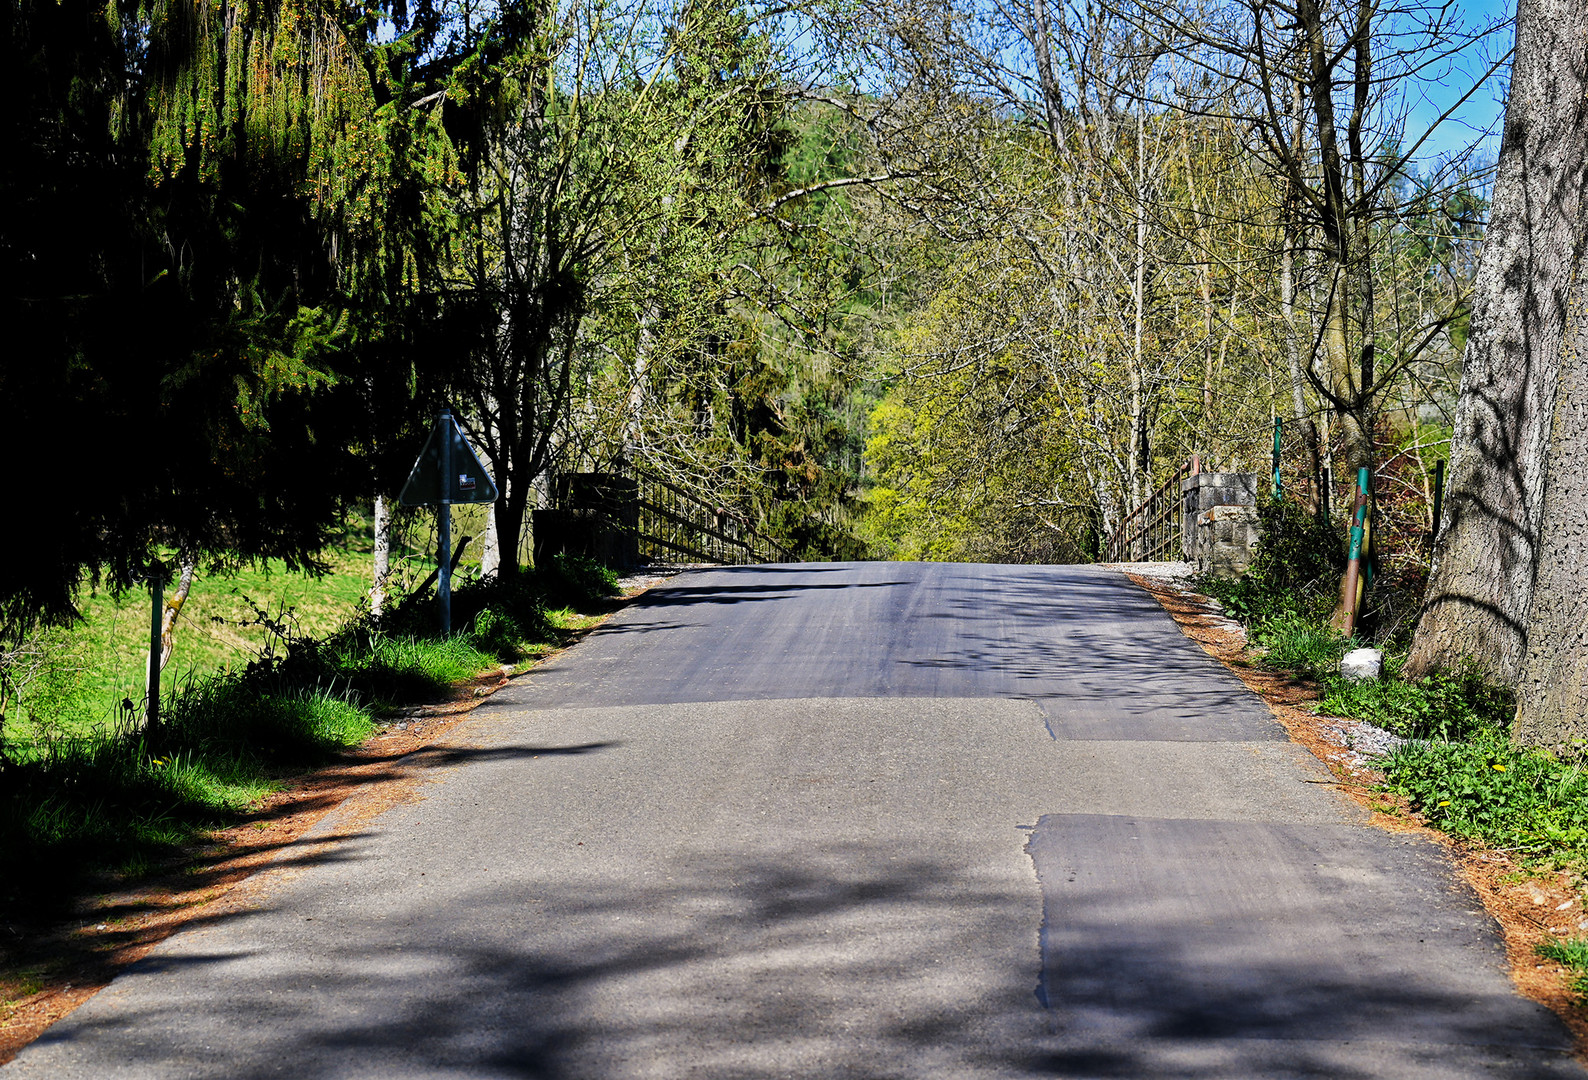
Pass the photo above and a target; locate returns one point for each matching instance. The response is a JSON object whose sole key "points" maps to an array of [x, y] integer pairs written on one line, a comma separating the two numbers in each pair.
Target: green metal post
{"points": [[444, 523], [1353, 564], [1279, 428]]}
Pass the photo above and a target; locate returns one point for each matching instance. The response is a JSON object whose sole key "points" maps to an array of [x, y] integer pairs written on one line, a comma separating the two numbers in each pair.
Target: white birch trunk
{"points": [[377, 592]]}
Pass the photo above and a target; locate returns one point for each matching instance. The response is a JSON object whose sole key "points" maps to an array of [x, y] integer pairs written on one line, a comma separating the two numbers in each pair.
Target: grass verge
{"points": [[108, 803]]}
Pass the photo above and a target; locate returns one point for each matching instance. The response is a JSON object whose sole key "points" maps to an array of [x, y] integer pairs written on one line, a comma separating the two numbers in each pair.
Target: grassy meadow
{"points": [[272, 673]]}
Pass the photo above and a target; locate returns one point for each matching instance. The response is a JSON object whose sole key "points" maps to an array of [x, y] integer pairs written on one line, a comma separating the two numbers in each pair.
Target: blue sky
{"points": [[1484, 109]]}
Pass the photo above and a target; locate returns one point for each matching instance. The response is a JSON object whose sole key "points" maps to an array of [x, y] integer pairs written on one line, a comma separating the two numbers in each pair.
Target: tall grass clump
{"points": [[1305, 646], [393, 669], [1572, 952]]}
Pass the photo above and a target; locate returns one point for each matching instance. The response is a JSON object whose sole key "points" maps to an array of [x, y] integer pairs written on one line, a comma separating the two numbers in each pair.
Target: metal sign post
{"points": [[1279, 483], [447, 472], [151, 696], [444, 528]]}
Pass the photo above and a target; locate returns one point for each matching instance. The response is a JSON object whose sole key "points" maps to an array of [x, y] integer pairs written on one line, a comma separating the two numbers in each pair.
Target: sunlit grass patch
{"points": [[88, 794], [1573, 953]]}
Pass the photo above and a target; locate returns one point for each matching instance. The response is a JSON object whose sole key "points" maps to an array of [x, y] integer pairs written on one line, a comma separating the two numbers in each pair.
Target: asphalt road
{"points": [[863, 820]]}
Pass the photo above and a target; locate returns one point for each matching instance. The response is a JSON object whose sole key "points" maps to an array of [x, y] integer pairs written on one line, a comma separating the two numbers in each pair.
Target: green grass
{"points": [[101, 660], [86, 792], [1572, 952], [394, 669], [1446, 705], [1292, 642]]}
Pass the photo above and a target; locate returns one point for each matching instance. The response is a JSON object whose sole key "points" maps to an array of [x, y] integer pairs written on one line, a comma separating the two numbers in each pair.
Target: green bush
{"points": [[1485, 788], [1294, 571], [577, 580], [498, 633], [1298, 549], [1447, 705]]}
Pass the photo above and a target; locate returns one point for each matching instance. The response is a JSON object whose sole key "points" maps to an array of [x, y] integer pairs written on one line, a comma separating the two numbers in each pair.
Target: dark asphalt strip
{"points": [[1100, 658], [1240, 934]]}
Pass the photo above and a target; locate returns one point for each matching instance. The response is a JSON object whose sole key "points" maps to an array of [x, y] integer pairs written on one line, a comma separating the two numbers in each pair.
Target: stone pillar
{"points": [[1218, 521]]}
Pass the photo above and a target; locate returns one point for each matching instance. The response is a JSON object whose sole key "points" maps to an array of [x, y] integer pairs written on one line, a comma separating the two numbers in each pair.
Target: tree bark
{"points": [[1481, 587], [173, 609], [491, 553], [1552, 694]]}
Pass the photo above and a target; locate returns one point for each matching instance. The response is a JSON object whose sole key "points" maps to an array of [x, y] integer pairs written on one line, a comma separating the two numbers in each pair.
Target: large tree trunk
{"points": [[1485, 557], [1552, 694]]}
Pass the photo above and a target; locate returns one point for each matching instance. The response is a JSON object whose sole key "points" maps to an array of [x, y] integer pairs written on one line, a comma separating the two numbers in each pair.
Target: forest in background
{"points": [[956, 282], [882, 281]]}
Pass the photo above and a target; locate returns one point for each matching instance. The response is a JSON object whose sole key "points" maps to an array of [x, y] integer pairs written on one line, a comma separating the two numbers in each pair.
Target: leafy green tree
{"points": [[209, 202]]}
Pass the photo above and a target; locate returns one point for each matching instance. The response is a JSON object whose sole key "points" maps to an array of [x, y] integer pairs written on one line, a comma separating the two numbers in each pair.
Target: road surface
{"points": [[848, 820]]}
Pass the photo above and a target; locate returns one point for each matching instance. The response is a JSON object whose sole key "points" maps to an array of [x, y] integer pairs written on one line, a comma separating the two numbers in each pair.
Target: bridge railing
{"points": [[1151, 532], [673, 522], [627, 514]]}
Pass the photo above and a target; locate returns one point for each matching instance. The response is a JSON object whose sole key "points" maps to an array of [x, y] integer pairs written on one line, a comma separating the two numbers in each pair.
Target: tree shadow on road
{"points": [[848, 960]]}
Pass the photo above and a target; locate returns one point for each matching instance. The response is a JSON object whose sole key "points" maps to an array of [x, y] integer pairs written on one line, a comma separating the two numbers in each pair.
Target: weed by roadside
{"points": [[1573, 954], [1449, 705], [1291, 642], [1481, 787]]}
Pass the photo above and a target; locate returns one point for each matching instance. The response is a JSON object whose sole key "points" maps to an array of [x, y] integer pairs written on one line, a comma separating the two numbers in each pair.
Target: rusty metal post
{"points": [[1351, 588]]}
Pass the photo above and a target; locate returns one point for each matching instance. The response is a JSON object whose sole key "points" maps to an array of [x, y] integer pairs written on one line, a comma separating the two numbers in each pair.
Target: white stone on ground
{"points": [[1362, 664]]}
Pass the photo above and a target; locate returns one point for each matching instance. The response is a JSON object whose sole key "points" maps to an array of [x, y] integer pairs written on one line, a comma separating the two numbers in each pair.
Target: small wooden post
{"points": [[151, 696], [377, 591]]}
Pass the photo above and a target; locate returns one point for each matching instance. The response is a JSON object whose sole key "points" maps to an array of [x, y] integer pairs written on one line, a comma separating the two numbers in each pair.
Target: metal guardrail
{"points": [[1151, 532], [672, 521], [646, 518]]}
